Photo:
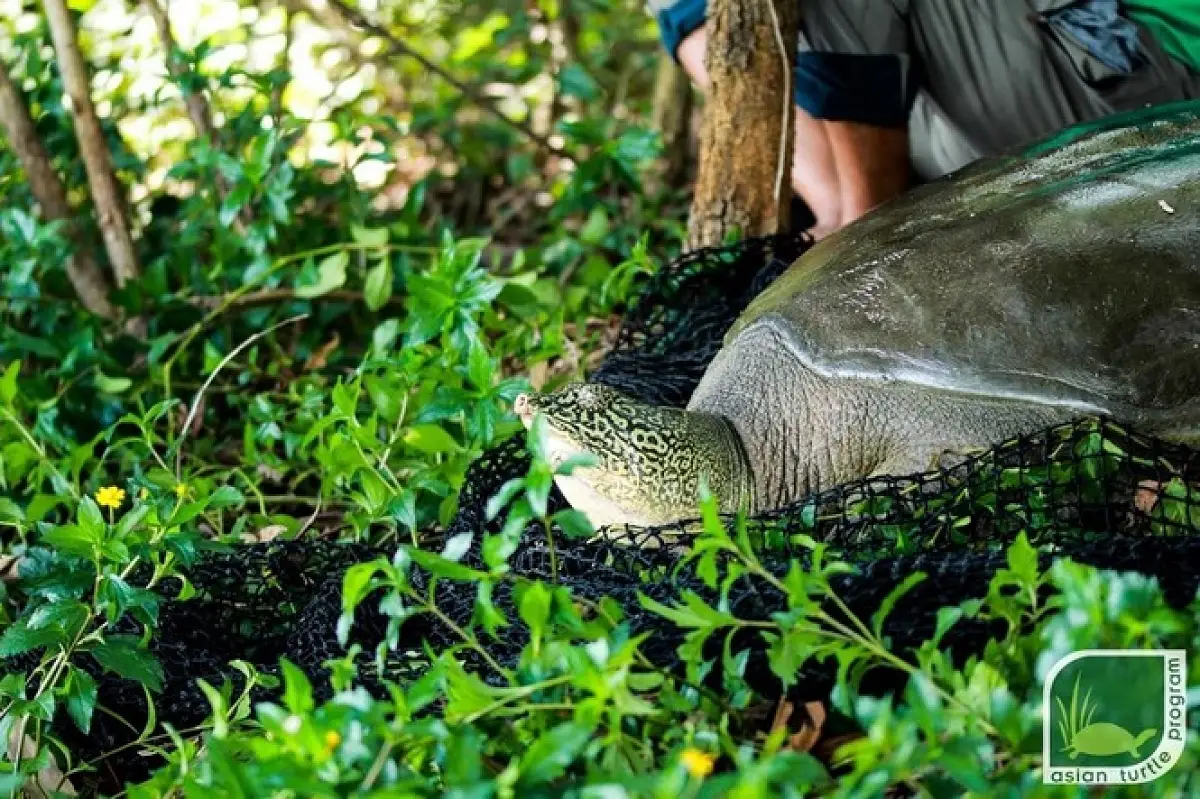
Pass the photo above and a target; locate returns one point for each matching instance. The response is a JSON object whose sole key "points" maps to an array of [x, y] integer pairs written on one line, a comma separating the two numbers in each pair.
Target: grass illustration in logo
{"points": [[1099, 738]]}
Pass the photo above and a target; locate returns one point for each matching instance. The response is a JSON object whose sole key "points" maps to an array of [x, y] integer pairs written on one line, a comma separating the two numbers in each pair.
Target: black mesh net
{"points": [[1092, 491]]}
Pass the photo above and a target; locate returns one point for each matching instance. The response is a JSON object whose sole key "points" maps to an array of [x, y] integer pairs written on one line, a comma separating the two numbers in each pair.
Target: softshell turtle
{"points": [[1102, 739], [1017, 293]]}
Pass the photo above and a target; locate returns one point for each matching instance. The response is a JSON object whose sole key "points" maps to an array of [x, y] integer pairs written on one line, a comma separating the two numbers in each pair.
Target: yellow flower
{"points": [[181, 490], [332, 739], [699, 764], [110, 497]]}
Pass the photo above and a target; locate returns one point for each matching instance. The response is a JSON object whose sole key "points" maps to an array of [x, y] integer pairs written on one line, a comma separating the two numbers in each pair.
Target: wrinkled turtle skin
{"points": [[1019, 292]]}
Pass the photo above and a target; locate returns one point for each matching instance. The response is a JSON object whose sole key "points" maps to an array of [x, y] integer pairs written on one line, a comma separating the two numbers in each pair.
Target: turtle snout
{"points": [[523, 408]]}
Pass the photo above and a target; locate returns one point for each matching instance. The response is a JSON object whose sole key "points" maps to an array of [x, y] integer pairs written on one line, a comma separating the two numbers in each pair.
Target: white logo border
{"points": [[1116, 775]]}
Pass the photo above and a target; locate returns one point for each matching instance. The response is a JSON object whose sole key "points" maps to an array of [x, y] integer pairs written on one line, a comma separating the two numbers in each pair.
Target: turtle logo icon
{"points": [[1114, 717], [1099, 739]]}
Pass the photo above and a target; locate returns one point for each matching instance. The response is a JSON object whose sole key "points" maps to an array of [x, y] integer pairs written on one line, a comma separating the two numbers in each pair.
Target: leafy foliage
{"points": [[325, 355]]}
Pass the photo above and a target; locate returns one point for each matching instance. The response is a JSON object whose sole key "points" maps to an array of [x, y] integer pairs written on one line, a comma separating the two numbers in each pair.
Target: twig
{"points": [[311, 519], [787, 100], [355, 17], [272, 296], [212, 376]]}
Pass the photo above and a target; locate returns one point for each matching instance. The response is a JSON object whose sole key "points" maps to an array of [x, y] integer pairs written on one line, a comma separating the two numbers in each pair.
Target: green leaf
{"points": [[533, 604], [73, 540], [68, 615], [91, 519], [947, 617], [41, 504], [8, 383], [297, 690], [889, 601], [131, 520], [10, 510], [356, 583], [122, 655], [331, 274], [1023, 560], [225, 497], [479, 366], [19, 638], [693, 614], [439, 566], [112, 385], [369, 237], [576, 82], [431, 439], [220, 708], [501, 498], [385, 335], [553, 751], [119, 596], [596, 227], [573, 523], [458, 546], [80, 692], [378, 287]]}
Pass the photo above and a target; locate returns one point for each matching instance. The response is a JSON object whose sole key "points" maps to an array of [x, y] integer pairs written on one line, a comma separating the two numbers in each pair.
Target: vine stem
{"points": [[41, 453], [519, 693], [433, 609], [187, 424]]}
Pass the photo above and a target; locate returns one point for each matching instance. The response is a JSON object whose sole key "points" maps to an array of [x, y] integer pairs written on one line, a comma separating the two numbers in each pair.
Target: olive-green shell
{"points": [[1102, 739], [1067, 273]]}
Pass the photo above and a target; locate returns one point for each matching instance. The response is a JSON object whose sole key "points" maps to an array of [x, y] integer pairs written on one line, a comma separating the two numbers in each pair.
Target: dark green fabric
{"points": [[1174, 23]]}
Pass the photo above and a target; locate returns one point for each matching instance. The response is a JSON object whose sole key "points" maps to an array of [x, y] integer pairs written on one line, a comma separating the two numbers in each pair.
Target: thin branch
{"points": [[197, 104], [273, 296], [187, 424], [97, 161], [785, 127], [333, 13], [84, 273]]}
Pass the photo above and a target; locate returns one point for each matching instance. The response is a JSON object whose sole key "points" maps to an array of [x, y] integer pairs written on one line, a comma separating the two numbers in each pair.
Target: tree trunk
{"points": [[197, 105], [672, 117], [745, 151], [82, 270], [106, 191]]}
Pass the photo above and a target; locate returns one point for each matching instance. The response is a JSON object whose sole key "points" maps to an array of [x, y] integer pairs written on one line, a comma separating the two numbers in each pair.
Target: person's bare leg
{"points": [[872, 165], [815, 176], [691, 52]]}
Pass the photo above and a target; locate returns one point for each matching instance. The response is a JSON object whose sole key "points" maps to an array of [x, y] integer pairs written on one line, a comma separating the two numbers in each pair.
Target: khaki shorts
{"points": [[989, 75]]}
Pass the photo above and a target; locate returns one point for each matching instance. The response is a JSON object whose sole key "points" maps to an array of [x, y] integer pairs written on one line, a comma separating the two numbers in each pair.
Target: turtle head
{"points": [[648, 460]]}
